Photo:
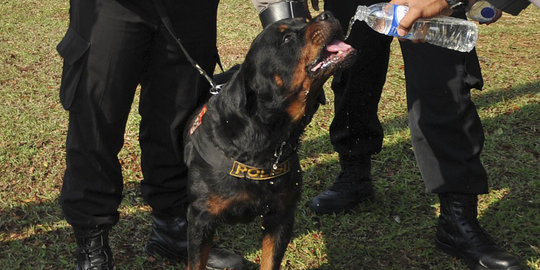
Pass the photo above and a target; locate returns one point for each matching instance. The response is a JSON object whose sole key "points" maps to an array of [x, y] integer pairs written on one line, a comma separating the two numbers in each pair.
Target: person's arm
{"points": [[262, 4], [430, 8]]}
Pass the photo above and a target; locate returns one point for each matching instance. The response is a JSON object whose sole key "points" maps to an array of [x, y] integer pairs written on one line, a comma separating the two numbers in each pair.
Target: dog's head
{"points": [[292, 58]]}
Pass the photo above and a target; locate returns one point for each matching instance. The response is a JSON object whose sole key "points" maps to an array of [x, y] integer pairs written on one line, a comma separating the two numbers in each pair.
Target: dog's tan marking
{"points": [[301, 83], [268, 245], [296, 109], [278, 80], [216, 203], [205, 253]]}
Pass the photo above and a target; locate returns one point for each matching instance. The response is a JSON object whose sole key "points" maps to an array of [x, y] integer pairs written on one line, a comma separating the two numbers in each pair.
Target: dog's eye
{"points": [[288, 37]]}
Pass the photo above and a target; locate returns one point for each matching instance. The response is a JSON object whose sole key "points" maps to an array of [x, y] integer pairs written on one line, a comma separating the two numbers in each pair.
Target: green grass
{"points": [[393, 232]]}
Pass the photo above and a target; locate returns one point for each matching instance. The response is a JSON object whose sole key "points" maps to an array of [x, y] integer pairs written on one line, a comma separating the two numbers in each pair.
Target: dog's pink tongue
{"points": [[337, 46]]}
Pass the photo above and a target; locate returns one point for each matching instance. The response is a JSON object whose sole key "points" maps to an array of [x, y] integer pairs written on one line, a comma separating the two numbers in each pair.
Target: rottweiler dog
{"points": [[241, 146]]}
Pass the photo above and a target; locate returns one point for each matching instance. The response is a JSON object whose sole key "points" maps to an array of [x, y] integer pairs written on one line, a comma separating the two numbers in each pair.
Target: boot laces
{"points": [[345, 181], [96, 254], [477, 234]]}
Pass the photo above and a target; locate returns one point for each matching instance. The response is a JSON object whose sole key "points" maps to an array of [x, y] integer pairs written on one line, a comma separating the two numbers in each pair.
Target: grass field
{"points": [[393, 232]]}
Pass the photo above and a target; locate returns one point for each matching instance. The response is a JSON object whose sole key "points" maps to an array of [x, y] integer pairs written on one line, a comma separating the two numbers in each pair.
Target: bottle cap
{"points": [[488, 12]]}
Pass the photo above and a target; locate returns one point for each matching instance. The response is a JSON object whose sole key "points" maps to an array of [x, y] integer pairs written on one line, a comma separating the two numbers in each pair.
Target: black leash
{"points": [[168, 25]]}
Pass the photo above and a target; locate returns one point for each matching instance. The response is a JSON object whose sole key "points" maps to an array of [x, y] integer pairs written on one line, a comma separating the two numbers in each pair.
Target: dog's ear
{"points": [[234, 91]]}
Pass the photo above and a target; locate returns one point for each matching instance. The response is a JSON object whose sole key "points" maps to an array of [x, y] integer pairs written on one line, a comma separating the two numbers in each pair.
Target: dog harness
{"points": [[199, 141]]}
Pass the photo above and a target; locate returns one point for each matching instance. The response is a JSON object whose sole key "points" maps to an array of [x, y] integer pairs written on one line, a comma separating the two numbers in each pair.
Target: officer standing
{"points": [[110, 47], [446, 132]]}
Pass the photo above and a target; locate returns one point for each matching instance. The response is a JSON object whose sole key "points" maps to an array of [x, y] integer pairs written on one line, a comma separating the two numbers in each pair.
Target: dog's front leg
{"points": [[200, 238], [277, 232]]}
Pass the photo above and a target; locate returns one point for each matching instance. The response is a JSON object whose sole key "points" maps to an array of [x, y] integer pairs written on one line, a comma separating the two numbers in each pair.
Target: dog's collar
{"points": [[215, 157], [241, 170]]}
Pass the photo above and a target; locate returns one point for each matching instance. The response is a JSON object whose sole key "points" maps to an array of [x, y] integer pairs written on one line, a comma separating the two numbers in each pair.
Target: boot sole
{"points": [[450, 250], [156, 250]]}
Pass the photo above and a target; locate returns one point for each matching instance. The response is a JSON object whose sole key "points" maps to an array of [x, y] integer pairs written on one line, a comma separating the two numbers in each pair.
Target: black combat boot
{"points": [[169, 240], [352, 186], [460, 235], [93, 252]]}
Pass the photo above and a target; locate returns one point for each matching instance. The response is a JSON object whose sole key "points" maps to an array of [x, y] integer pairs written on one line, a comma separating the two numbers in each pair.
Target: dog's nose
{"points": [[324, 16]]}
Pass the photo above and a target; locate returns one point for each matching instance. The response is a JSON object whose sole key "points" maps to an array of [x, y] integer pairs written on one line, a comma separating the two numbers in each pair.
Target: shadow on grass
{"points": [[37, 237], [31, 240], [395, 231]]}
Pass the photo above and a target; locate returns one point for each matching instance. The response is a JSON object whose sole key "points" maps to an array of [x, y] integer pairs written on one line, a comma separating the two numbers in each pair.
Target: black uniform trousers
{"points": [[111, 47], [446, 132]]}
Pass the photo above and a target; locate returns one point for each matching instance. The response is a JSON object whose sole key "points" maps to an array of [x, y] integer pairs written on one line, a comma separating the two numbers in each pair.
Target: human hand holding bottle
{"points": [[420, 9], [428, 9]]}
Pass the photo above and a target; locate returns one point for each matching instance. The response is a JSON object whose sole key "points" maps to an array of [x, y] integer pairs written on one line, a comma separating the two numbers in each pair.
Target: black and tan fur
{"points": [[257, 120]]}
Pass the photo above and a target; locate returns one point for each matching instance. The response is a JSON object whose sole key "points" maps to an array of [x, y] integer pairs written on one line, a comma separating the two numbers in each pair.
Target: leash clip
{"points": [[168, 25], [216, 89]]}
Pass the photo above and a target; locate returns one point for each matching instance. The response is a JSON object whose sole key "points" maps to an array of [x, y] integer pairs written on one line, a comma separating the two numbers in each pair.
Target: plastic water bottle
{"points": [[448, 32], [482, 11]]}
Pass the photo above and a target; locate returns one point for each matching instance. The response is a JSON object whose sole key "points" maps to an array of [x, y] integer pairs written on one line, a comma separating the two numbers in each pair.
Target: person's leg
{"points": [[100, 78], [171, 90], [447, 138], [355, 132]]}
